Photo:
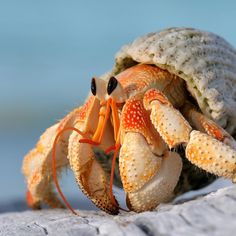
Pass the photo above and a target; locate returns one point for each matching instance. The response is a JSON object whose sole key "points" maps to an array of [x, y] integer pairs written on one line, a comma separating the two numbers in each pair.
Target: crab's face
{"points": [[105, 91]]}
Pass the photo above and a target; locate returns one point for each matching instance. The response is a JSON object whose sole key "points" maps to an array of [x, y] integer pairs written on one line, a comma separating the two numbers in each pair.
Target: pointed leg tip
{"points": [[32, 202]]}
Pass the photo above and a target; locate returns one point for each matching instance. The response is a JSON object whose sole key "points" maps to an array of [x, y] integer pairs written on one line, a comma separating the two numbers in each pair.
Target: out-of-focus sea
{"points": [[49, 50]]}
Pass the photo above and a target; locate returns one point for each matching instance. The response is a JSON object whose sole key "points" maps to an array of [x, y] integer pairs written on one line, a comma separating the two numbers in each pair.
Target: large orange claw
{"points": [[149, 173]]}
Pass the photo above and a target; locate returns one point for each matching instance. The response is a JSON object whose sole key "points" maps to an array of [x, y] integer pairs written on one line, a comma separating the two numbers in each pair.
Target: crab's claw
{"points": [[148, 171], [148, 179]]}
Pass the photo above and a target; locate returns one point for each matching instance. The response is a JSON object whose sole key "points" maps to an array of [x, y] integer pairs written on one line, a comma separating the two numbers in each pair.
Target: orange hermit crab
{"points": [[165, 90]]}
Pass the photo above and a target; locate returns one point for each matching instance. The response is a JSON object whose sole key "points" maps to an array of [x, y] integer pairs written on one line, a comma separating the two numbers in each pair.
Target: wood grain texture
{"points": [[213, 214]]}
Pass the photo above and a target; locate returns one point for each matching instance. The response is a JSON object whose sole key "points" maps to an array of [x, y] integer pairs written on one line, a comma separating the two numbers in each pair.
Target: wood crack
{"points": [[42, 227]]}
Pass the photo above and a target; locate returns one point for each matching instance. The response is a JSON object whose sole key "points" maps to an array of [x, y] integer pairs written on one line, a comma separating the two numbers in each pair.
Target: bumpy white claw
{"points": [[137, 162], [160, 188]]}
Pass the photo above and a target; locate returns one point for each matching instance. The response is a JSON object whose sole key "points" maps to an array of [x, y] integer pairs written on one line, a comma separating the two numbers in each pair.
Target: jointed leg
{"points": [[216, 155], [207, 151], [89, 174], [168, 121], [200, 122], [37, 164], [37, 169]]}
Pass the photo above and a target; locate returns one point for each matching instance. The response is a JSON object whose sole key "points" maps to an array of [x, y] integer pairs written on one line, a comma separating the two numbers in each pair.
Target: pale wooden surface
{"points": [[214, 214]]}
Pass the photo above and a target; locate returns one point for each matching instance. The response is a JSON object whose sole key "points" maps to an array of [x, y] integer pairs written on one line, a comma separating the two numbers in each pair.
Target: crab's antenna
{"points": [[54, 165], [113, 200]]}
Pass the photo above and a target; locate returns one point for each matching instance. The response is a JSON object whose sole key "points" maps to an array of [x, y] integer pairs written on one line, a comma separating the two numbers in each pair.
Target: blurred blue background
{"points": [[49, 50]]}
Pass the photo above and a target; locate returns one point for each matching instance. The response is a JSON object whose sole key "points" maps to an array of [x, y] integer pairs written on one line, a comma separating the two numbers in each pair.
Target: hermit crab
{"points": [[165, 114]]}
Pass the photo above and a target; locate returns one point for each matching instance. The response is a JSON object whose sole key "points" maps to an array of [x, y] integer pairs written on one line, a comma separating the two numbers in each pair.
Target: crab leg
{"points": [[216, 155], [200, 122], [168, 121], [144, 166], [207, 151], [89, 174], [211, 155], [37, 164]]}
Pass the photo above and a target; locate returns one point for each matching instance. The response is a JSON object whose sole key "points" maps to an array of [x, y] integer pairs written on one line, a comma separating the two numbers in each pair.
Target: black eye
{"points": [[111, 85], [93, 87]]}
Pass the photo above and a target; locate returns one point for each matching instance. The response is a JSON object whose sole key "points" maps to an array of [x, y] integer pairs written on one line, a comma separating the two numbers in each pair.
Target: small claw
{"points": [[168, 121], [160, 188], [211, 155]]}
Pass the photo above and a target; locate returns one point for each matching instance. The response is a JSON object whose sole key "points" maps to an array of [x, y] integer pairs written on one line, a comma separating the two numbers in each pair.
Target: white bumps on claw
{"points": [[137, 162], [89, 174], [170, 123], [160, 188], [211, 155]]}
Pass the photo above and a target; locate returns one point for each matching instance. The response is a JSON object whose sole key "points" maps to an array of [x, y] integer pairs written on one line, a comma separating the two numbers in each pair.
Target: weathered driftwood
{"points": [[213, 214]]}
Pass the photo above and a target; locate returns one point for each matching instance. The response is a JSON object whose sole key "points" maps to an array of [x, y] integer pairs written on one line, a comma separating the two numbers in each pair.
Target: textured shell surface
{"points": [[204, 60]]}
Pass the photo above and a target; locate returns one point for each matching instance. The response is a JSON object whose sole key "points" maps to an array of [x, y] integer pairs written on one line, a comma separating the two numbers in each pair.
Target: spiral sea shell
{"points": [[204, 60]]}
